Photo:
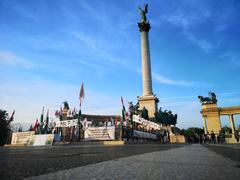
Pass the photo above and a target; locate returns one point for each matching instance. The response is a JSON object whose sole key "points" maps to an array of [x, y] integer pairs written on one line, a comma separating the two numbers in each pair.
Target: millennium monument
{"points": [[148, 99], [211, 115]]}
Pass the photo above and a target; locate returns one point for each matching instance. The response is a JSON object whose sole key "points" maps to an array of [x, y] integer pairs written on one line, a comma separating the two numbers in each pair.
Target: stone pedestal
{"points": [[150, 103]]}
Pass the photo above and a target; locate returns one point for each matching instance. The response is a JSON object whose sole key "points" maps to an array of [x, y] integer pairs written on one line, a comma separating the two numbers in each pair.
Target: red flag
{"points": [[81, 95], [11, 118], [36, 125]]}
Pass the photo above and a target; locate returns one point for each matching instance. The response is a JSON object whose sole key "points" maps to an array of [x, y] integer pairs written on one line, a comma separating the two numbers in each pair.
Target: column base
{"points": [[150, 103]]}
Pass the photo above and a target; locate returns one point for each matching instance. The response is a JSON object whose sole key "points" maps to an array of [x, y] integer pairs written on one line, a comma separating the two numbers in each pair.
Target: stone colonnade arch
{"points": [[211, 118]]}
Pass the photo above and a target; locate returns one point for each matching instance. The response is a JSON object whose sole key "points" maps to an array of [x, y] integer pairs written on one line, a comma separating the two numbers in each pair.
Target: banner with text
{"points": [[41, 140], [22, 137], [67, 123], [99, 133], [141, 134], [146, 123]]}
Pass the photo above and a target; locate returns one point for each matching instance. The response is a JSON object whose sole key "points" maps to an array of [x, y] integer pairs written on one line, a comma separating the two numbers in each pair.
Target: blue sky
{"points": [[47, 48]]}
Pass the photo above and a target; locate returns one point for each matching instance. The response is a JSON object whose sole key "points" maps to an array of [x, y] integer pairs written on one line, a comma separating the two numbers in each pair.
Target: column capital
{"points": [[144, 26]]}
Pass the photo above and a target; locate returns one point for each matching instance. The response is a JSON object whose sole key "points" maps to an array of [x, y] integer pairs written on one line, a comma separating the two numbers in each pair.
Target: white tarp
{"points": [[22, 137], [146, 123], [67, 123], [141, 134], [73, 122], [41, 140], [99, 133]]}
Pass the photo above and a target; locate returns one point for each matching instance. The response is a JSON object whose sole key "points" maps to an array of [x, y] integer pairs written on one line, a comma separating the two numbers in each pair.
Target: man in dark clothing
{"points": [[237, 136], [213, 138]]}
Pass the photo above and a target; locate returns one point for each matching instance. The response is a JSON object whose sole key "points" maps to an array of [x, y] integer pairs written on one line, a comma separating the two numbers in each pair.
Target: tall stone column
{"points": [[146, 63], [148, 99]]}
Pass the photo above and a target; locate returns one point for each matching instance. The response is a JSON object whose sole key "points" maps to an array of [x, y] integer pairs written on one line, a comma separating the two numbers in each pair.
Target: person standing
{"points": [[237, 136], [213, 138]]}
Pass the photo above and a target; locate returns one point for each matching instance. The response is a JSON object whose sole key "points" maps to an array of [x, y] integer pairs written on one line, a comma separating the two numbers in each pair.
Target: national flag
{"points": [[123, 107], [74, 112], [36, 125], [84, 124], [61, 114], [112, 121], [41, 120], [46, 122], [81, 95], [61, 111], [11, 118]]}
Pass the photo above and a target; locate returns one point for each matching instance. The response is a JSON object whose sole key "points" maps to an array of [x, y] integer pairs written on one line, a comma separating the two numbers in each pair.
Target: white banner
{"points": [[41, 140], [99, 133], [141, 134], [67, 123], [22, 137], [146, 123]]}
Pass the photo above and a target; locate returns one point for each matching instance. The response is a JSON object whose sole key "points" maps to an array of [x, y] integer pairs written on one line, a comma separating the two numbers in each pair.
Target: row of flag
{"points": [[125, 114], [43, 124]]}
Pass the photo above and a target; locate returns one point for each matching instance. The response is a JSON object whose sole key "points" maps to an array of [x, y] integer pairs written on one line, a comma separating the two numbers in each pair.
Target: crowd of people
{"points": [[210, 138]]}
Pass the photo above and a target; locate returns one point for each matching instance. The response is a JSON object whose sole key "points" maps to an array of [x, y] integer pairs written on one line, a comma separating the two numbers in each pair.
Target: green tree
{"points": [[3, 127], [227, 130]]}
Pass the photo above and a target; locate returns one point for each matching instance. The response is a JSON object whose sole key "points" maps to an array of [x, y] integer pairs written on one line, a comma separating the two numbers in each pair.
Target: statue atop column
{"points": [[143, 13], [144, 24], [211, 99]]}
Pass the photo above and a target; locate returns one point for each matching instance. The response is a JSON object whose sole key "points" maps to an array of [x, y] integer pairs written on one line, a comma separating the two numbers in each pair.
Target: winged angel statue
{"points": [[143, 13]]}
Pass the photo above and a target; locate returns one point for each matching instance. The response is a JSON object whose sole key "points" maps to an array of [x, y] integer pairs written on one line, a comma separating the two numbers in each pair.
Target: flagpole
{"points": [[79, 124]]}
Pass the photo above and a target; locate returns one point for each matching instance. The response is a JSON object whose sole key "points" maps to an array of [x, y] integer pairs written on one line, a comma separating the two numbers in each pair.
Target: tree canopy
{"points": [[3, 127]]}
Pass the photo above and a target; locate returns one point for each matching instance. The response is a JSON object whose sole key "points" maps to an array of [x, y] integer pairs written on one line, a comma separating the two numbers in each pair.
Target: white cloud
{"points": [[28, 97], [10, 58], [186, 19], [232, 57], [85, 39], [204, 44], [166, 80]]}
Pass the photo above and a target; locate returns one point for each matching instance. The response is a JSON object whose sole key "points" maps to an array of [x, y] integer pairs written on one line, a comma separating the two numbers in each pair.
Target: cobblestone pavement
{"points": [[17, 163], [231, 151], [188, 162]]}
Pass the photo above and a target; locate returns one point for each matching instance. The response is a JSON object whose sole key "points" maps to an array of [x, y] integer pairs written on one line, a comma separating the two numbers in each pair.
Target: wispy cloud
{"points": [[10, 58], [85, 39], [186, 19], [232, 57], [204, 44], [20, 93], [165, 80]]}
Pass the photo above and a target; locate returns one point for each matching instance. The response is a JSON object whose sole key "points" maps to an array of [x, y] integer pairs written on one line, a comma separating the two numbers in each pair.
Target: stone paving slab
{"points": [[188, 162]]}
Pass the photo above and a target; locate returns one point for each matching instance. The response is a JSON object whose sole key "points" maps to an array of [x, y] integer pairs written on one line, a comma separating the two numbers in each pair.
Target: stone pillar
{"points": [[147, 100], [231, 121], [146, 63], [205, 125]]}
